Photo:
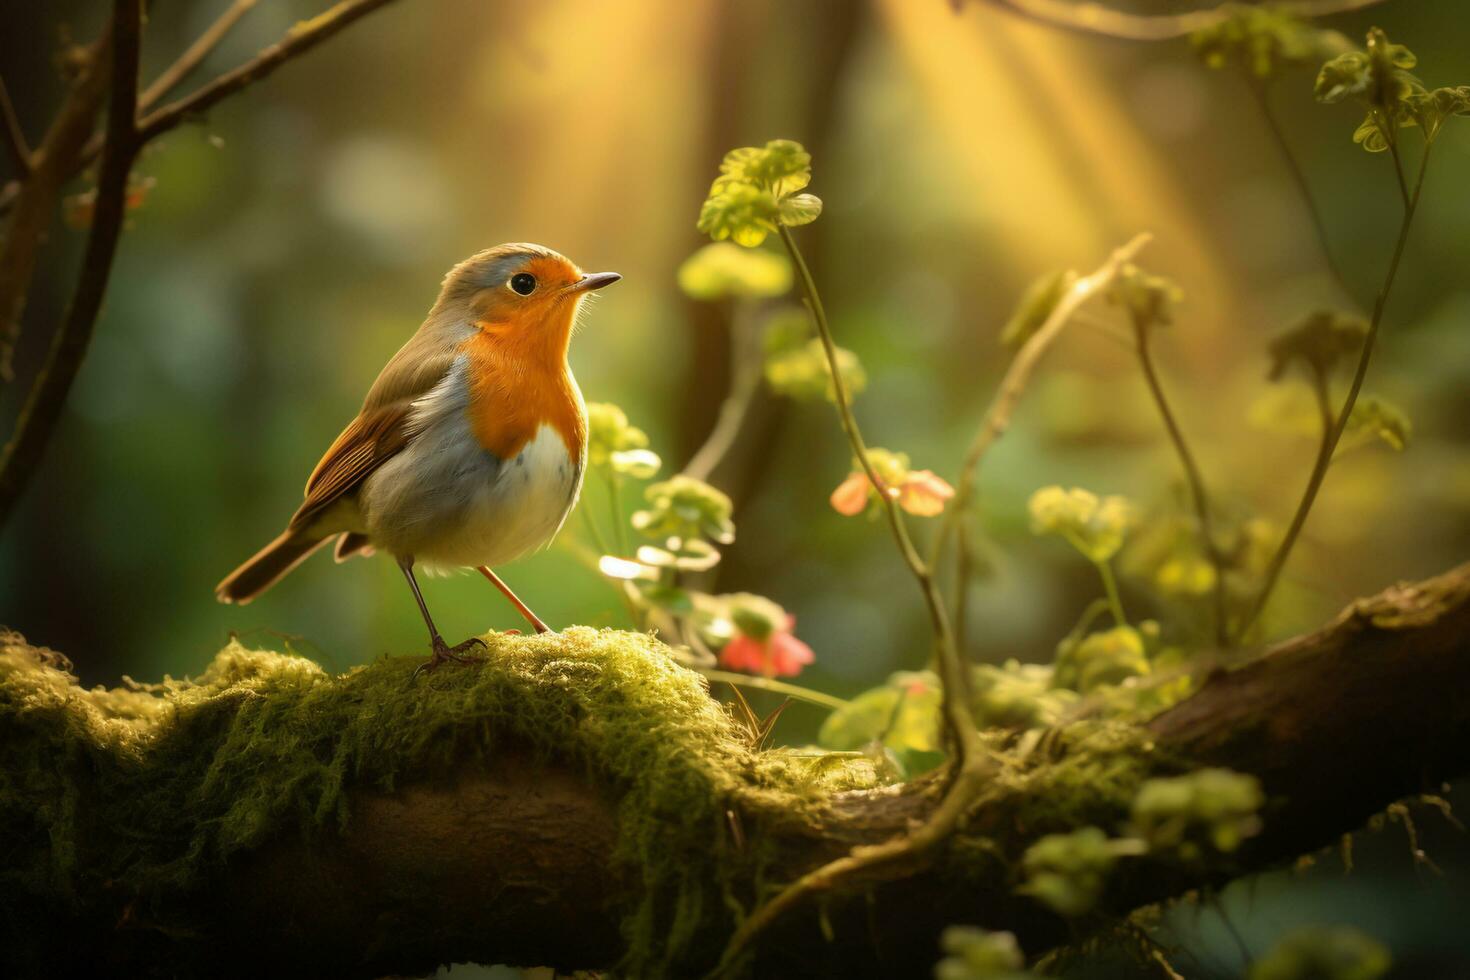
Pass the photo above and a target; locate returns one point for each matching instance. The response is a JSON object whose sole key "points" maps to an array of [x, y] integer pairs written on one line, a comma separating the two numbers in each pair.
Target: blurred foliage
{"points": [[972, 953], [1323, 953]]}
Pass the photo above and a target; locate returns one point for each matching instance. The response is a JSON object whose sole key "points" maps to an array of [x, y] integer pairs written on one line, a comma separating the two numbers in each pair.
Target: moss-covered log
{"points": [[581, 802]]}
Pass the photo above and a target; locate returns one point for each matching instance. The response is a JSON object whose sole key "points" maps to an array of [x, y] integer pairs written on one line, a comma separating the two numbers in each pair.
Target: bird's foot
{"points": [[445, 654]]}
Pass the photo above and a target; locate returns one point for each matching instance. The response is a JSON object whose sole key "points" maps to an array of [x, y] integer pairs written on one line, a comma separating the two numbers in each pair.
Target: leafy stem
{"points": [[1299, 178], [1110, 587], [615, 501], [819, 698], [970, 776], [1329, 445], [1197, 490]]}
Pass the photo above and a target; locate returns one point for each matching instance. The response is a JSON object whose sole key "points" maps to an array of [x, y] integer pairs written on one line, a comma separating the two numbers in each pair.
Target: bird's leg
{"points": [[442, 651], [521, 607]]}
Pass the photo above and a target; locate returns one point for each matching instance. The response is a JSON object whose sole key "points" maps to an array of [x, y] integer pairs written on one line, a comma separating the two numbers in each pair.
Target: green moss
{"points": [[146, 788]]}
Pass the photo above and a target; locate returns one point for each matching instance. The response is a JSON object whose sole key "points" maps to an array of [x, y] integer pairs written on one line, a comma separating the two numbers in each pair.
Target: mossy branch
{"points": [[572, 802]]}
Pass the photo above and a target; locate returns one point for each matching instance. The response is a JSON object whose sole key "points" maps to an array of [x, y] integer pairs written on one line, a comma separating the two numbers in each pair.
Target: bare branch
{"points": [[47, 395], [194, 54], [35, 199], [15, 137], [1099, 19], [300, 39]]}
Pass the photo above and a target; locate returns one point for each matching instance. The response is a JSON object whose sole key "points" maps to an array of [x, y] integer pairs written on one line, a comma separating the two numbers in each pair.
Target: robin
{"points": [[470, 448]]}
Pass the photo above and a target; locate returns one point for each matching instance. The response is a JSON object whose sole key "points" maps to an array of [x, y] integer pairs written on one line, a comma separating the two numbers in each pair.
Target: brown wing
{"points": [[382, 428], [369, 442]]}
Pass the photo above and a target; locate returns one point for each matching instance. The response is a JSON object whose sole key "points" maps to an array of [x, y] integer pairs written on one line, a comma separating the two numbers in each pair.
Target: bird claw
{"points": [[444, 653]]}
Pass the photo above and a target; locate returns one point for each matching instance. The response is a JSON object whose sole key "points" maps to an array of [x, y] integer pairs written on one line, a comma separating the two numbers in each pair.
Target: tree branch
{"points": [[299, 40], [1099, 19], [36, 198], [47, 395], [516, 859], [15, 137]]}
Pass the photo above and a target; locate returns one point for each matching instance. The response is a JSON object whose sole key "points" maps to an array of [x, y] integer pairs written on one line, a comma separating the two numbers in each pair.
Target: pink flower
{"points": [[851, 496], [779, 655]]}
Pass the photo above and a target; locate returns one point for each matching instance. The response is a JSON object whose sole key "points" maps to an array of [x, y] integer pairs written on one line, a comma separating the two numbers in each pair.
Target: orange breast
{"points": [[513, 393]]}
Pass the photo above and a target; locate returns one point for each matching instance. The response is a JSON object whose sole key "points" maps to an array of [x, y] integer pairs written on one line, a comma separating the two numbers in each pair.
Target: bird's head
{"points": [[522, 295]]}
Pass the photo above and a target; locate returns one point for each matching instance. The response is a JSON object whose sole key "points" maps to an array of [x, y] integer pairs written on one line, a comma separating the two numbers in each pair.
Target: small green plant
{"points": [[972, 953], [1323, 953]]}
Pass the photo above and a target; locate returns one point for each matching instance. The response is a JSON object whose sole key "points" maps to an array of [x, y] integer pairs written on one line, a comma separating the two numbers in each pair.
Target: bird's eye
{"points": [[523, 283]]}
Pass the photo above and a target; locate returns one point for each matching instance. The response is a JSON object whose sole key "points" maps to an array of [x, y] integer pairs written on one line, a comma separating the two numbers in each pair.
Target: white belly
{"points": [[447, 503]]}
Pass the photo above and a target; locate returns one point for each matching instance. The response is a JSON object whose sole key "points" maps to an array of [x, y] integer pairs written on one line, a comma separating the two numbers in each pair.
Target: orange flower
{"points": [[920, 492]]}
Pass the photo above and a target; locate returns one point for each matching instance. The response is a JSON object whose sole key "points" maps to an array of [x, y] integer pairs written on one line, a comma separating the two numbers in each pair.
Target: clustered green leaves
{"points": [[1037, 304], [757, 192], [1264, 39], [1068, 872], [1379, 80], [972, 953], [613, 443], [1093, 525], [1197, 813], [796, 365]]}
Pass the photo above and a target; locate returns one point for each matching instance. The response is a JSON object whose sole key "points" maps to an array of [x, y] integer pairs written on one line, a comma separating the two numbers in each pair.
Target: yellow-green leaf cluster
{"points": [[756, 193], [612, 442], [1067, 872], [1100, 659], [685, 508], [972, 953], [1148, 299], [1094, 526], [804, 373], [1319, 342], [1208, 809]]}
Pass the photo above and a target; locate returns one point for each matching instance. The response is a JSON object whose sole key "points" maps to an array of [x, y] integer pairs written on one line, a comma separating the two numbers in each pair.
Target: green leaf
{"points": [[721, 269], [781, 167], [640, 464], [800, 209], [1037, 303], [902, 715], [787, 329], [1346, 76], [972, 953]]}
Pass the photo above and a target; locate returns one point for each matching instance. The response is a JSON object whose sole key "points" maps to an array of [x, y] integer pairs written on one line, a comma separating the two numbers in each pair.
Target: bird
{"points": [[470, 447]]}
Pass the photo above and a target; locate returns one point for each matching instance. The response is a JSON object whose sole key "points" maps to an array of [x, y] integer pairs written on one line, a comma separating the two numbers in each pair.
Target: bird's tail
{"points": [[267, 567]]}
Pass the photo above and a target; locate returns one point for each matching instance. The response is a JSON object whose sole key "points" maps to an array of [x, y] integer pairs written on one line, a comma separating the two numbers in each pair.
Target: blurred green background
{"points": [[295, 239]]}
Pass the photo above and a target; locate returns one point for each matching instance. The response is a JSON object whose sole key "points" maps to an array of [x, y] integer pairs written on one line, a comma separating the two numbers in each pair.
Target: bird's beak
{"points": [[594, 281]]}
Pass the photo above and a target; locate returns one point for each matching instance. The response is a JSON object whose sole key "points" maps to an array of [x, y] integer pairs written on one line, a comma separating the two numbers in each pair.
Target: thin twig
{"points": [[1324, 458], [195, 54], [36, 199], [796, 691], [745, 384], [998, 416], [47, 395], [15, 137], [1097, 19], [1303, 187], [1197, 489], [300, 39]]}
